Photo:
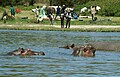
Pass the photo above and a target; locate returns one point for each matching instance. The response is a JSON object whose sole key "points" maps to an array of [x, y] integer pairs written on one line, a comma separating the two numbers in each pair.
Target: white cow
{"points": [[98, 8], [83, 9]]}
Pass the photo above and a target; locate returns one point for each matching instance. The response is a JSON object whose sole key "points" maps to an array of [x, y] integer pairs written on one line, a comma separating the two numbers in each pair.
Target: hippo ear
{"points": [[20, 48], [73, 45]]}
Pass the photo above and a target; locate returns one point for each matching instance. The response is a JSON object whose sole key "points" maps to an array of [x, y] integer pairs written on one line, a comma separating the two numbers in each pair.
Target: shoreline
{"points": [[82, 28]]}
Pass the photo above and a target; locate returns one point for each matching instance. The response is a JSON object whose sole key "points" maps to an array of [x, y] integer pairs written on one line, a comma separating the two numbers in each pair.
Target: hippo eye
{"points": [[85, 50]]}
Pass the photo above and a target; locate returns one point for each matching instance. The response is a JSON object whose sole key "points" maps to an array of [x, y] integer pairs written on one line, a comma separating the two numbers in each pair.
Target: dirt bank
{"points": [[94, 28]]}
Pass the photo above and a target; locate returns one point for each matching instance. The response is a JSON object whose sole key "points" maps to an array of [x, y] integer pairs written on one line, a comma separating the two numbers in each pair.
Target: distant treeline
{"points": [[50, 2], [16, 2], [108, 7]]}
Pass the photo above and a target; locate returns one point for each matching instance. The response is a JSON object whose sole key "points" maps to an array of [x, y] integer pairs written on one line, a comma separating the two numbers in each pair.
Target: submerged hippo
{"points": [[83, 50], [21, 51], [68, 46], [105, 46]]}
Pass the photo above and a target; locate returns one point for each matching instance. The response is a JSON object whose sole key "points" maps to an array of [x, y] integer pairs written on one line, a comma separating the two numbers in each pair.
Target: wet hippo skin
{"points": [[23, 52], [82, 50], [107, 46]]}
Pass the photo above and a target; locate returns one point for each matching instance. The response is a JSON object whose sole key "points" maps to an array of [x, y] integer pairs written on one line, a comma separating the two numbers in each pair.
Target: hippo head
{"points": [[16, 52], [26, 52], [39, 53], [30, 52], [23, 52], [88, 50], [85, 50], [68, 46]]}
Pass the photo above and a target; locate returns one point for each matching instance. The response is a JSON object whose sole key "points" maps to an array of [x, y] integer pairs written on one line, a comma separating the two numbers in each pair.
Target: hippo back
{"points": [[16, 52], [37, 53], [108, 46]]}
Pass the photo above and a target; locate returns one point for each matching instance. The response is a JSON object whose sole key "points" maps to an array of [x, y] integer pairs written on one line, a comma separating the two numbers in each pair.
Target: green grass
{"points": [[26, 11], [85, 21], [52, 28], [22, 24]]}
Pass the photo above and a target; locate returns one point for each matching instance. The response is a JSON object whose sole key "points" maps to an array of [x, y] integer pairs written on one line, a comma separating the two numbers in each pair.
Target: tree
{"points": [[69, 3], [50, 2], [31, 3]]}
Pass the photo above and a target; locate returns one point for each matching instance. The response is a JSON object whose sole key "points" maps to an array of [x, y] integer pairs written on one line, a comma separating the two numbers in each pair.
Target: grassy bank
{"points": [[26, 12], [86, 21], [57, 28], [23, 24], [28, 24]]}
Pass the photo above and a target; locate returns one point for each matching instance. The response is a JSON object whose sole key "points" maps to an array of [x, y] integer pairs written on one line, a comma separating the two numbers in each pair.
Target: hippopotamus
{"points": [[86, 50], [68, 46], [23, 52], [105, 46]]}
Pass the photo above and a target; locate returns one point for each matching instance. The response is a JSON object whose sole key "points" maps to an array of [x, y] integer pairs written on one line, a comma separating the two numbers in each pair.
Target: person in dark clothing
{"points": [[63, 9], [62, 20], [62, 16], [4, 16], [57, 12], [50, 16]]}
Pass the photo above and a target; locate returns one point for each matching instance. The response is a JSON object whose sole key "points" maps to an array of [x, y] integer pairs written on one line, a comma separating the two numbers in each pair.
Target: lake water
{"points": [[57, 62]]}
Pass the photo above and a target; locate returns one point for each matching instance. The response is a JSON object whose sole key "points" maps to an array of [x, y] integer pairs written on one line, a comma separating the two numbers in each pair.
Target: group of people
{"points": [[63, 14], [5, 15], [69, 14]]}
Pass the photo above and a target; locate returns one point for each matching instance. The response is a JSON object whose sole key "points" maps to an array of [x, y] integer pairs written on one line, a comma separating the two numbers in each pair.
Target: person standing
{"points": [[12, 10], [62, 16], [37, 11], [57, 12], [93, 12], [42, 14], [68, 18], [50, 16], [4, 16]]}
